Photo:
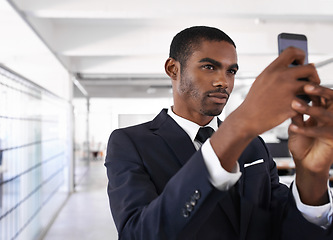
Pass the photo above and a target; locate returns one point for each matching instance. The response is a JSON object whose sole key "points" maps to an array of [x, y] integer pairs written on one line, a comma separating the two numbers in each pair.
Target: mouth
{"points": [[218, 97]]}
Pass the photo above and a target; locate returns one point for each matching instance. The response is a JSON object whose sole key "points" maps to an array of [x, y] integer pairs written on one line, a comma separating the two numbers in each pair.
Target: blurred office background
{"points": [[71, 71]]}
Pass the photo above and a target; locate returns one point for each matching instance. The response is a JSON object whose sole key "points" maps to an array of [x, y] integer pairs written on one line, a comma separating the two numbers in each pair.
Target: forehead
{"points": [[218, 50]]}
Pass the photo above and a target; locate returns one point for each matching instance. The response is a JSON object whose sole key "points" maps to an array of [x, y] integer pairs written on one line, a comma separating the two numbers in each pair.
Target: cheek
{"points": [[231, 83], [186, 88], [189, 84]]}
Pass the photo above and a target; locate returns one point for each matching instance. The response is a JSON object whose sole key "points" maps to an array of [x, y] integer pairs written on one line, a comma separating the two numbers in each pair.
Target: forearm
{"points": [[219, 177], [232, 137], [318, 215], [312, 187]]}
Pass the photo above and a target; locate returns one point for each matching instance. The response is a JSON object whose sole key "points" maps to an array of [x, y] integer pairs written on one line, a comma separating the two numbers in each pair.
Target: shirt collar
{"points": [[190, 127]]}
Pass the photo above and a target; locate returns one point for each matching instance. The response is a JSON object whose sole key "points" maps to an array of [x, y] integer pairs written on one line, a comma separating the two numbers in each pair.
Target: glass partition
{"points": [[35, 155]]}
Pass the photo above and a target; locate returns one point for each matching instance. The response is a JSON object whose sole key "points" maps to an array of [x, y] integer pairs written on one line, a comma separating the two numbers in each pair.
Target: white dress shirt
{"points": [[223, 180]]}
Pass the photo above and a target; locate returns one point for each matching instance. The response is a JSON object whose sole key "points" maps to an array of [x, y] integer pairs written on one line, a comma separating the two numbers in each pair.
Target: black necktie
{"points": [[204, 133]]}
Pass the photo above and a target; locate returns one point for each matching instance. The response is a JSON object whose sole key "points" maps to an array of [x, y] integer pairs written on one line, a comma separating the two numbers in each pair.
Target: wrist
{"points": [[242, 127], [230, 140], [312, 187]]}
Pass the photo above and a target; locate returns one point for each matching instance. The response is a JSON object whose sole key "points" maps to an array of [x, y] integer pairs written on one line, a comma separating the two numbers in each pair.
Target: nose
{"points": [[221, 81]]}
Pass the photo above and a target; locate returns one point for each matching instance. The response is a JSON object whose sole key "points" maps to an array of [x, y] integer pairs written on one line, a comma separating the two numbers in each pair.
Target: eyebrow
{"points": [[218, 64]]}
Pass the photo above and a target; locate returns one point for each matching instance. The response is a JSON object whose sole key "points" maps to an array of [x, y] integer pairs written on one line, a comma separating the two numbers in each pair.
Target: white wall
{"points": [[105, 114], [23, 52]]}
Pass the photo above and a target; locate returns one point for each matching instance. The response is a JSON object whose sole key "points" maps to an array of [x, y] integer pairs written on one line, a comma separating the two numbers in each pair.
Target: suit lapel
{"points": [[180, 143], [175, 137]]}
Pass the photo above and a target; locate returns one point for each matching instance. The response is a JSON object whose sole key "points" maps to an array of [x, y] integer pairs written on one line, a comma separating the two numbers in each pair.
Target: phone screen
{"points": [[286, 40]]}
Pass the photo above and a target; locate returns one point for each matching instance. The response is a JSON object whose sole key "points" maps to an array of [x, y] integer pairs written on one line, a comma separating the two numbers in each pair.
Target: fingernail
{"points": [[310, 88], [296, 104], [293, 127]]}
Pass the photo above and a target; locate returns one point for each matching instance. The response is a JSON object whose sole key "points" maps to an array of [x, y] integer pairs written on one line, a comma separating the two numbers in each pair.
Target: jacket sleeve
{"points": [[289, 222], [138, 210]]}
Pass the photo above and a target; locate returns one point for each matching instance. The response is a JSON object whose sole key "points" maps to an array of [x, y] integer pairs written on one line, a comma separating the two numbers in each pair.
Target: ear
{"points": [[171, 68]]}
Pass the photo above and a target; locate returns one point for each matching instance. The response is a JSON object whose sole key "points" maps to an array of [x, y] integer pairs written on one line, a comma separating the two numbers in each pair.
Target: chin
{"points": [[212, 112], [209, 109]]}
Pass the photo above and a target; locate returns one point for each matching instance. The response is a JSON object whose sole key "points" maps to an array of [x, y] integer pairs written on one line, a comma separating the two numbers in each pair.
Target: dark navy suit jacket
{"points": [[159, 188]]}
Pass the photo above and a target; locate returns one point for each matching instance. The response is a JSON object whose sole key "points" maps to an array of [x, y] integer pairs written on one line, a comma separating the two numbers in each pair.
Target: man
{"points": [[164, 185]]}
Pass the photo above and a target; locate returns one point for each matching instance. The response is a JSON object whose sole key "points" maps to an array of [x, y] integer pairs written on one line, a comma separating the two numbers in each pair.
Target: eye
{"points": [[208, 67], [232, 71]]}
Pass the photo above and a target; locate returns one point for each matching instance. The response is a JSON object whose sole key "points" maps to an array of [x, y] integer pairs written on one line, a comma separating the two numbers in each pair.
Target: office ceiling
{"points": [[118, 48]]}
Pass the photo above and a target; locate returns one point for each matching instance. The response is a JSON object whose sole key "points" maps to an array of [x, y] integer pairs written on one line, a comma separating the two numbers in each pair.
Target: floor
{"points": [[86, 214]]}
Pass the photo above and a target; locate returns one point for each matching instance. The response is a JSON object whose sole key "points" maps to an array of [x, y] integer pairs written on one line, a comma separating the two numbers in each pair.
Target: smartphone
{"points": [[286, 40]]}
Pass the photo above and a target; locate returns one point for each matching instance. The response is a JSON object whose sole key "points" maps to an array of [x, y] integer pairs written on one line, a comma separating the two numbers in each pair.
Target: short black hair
{"points": [[186, 41]]}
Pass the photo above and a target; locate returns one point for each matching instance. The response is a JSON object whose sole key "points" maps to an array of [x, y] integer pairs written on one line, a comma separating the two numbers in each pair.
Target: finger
{"points": [[319, 113], [290, 55], [314, 132], [307, 73], [293, 54], [298, 119], [317, 90]]}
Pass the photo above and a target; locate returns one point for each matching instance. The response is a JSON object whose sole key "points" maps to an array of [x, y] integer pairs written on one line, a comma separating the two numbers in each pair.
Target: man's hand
{"points": [[267, 105], [268, 102], [311, 144]]}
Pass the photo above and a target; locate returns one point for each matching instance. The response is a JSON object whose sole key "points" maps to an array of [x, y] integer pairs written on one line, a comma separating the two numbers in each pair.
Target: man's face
{"points": [[207, 79]]}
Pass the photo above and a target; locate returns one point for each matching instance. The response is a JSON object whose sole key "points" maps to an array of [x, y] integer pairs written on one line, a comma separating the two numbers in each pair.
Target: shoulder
{"points": [[131, 131], [259, 144], [140, 130]]}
